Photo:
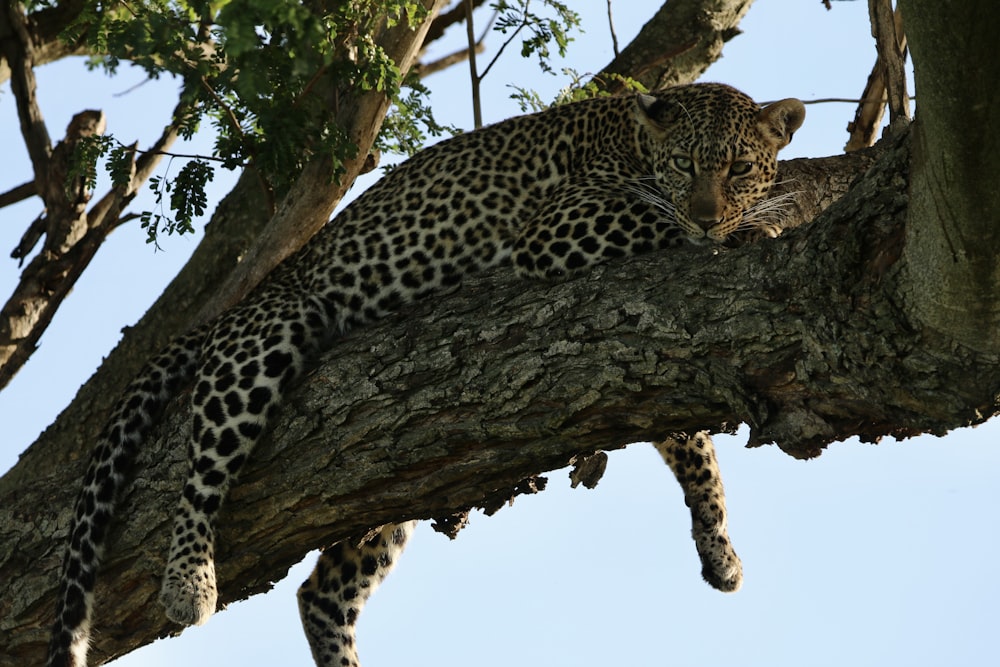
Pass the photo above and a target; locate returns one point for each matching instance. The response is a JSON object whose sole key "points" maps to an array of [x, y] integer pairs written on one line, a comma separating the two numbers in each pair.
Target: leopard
{"points": [[547, 195]]}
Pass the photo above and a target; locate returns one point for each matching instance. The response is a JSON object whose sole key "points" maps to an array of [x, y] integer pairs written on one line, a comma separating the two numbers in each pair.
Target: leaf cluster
{"points": [[186, 196], [263, 73], [580, 87], [266, 74], [543, 31]]}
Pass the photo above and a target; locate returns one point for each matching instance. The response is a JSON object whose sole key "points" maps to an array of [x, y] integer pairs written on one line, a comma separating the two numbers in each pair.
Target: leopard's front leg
{"points": [[252, 354], [692, 460]]}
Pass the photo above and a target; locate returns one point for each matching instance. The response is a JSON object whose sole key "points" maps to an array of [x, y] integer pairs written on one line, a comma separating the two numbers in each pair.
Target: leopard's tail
{"points": [[112, 458]]}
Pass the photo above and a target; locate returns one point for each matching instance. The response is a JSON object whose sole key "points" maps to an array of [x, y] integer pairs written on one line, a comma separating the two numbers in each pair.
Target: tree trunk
{"points": [[953, 240]]}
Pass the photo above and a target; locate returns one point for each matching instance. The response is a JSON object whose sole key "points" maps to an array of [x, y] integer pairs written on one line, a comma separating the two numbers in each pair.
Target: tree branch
{"points": [[446, 19], [47, 27], [863, 130], [73, 237], [17, 47], [18, 193], [678, 44], [890, 40], [432, 410]]}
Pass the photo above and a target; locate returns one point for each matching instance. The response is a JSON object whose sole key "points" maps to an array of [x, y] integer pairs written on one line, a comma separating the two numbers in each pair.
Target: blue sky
{"points": [[865, 556]]}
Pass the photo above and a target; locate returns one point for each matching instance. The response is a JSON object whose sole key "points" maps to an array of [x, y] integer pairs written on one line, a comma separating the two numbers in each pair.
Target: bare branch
{"points": [[73, 238], [863, 130], [677, 45], [890, 40], [17, 47], [611, 29], [446, 19], [444, 62], [474, 77], [18, 193]]}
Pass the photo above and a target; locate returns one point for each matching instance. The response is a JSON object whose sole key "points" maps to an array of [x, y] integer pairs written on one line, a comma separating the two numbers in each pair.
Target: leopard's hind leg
{"points": [[333, 596], [692, 460]]}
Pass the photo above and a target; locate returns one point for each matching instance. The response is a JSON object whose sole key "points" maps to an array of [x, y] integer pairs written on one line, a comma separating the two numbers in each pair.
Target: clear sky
{"points": [[865, 556]]}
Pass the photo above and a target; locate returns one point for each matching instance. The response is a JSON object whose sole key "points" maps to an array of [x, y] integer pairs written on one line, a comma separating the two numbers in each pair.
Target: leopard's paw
{"points": [[189, 594]]}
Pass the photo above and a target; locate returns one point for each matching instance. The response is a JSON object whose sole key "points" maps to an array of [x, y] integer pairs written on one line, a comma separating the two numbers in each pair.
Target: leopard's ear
{"points": [[656, 114], [778, 121]]}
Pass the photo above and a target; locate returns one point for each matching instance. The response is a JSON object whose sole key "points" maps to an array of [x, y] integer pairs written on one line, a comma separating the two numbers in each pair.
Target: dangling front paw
{"points": [[720, 566], [189, 594]]}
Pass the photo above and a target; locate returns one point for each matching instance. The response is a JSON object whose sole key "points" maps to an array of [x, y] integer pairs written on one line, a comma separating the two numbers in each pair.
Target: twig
{"points": [[848, 100], [611, 27], [507, 42], [477, 109], [230, 114]]}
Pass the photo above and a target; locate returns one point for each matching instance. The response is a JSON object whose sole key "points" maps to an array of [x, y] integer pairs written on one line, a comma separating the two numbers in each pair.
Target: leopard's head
{"points": [[713, 152]]}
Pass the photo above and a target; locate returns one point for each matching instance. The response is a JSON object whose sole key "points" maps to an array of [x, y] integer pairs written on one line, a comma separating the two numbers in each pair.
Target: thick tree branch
{"points": [[17, 47], [47, 26], [678, 44], [434, 409]]}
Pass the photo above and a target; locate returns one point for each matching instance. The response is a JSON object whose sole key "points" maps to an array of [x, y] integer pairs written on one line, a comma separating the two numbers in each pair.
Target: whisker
{"points": [[645, 189], [769, 215]]}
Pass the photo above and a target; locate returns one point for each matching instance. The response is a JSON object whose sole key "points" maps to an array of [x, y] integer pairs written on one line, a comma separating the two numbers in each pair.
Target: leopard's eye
{"points": [[740, 168], [682, 163]]}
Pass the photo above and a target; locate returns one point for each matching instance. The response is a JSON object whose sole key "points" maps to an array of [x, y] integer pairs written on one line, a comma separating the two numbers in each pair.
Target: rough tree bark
{"points": [[457, 401]]}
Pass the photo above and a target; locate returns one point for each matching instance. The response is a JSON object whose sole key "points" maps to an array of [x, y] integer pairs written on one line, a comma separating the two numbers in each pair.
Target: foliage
{"points": [[580, 87], [543, 31], [410, 120], [187, 200], [86, 153], [263, 73], [266, 73]]}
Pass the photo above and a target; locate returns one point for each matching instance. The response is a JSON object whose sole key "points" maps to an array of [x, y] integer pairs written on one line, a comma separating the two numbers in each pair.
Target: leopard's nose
{"points": [[706, 222], [706, 210]]}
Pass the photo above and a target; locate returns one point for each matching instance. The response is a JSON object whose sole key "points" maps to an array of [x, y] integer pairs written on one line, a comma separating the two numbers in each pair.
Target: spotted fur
{"points": [[551, 194]]}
